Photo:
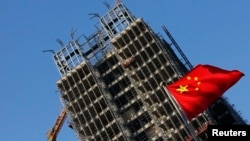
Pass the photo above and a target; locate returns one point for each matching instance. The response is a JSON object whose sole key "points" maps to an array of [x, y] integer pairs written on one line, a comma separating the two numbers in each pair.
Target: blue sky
{"points": [[212, 32]]}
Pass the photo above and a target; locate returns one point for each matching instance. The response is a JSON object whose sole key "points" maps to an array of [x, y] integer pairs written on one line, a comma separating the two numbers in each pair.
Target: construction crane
{"points": [[177, 47], [53, 132]]}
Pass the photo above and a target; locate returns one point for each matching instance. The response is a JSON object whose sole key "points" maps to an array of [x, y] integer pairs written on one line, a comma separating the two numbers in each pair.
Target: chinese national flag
{"points": [[202, 86]]}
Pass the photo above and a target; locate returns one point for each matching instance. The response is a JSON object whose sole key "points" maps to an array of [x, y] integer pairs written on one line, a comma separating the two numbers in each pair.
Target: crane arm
{"points": [[53, 132]]}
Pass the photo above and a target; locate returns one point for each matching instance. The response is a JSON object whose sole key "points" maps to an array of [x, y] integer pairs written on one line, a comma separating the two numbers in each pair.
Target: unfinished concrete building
{"points": [[110, 83]]}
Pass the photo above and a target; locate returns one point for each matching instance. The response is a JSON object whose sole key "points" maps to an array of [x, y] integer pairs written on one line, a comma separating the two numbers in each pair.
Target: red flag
{"points": [[202, 86]]}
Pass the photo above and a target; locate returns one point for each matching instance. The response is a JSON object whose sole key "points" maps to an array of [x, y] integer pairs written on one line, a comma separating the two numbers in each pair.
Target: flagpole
{"points": [[180, 112]]}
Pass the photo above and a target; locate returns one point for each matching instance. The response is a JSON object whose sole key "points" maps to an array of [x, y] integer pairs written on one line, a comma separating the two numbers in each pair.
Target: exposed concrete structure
{"points": [[110, 84]]}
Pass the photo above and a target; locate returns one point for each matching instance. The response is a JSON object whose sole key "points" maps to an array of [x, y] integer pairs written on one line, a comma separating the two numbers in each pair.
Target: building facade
{"points": [[111, 84]]}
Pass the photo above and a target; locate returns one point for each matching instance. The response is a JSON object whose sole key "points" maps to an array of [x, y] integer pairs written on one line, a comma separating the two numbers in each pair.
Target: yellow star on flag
{"points": [[182, 89]]}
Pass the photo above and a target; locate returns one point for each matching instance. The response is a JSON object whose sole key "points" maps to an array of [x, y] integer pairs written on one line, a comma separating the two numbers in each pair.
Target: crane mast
{"points": [[190, 66]]}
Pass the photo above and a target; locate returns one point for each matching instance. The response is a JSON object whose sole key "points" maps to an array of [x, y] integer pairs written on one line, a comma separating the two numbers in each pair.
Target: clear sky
{"points": [[212, 32]]}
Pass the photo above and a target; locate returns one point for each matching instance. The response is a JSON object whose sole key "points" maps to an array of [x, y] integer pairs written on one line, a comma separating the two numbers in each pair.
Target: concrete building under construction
{"points": [[110, 84]]}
